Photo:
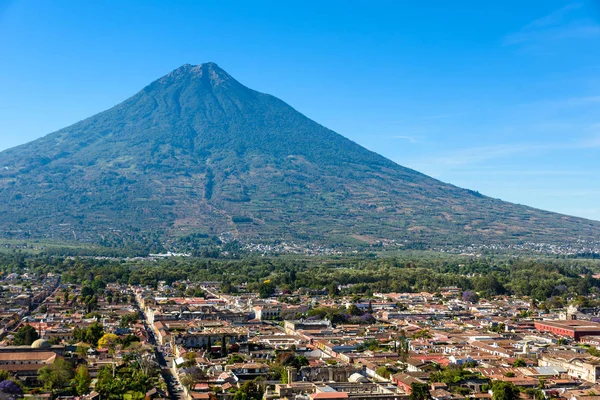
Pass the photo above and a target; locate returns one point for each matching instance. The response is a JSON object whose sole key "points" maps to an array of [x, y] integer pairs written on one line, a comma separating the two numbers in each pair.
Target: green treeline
{"points": [[541, 278]]}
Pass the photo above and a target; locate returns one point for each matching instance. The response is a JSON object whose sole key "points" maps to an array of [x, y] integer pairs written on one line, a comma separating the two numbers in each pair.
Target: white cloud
{"points": [[558, 25], [410, 139], [591, 143], [553, 18], [478, 154], [489, 171], [578, 30], [441, 116]]}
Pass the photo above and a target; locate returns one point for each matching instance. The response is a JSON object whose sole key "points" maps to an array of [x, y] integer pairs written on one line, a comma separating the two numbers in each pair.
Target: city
{"points": [[189, 340]]}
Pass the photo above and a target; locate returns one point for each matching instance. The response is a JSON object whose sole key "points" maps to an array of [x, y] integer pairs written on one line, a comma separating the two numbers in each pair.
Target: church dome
{"points": [[41, 344], [357, 378]]}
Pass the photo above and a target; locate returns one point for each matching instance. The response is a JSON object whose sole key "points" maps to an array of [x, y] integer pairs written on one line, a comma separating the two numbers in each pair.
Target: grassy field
{"points": [[36, 246]]}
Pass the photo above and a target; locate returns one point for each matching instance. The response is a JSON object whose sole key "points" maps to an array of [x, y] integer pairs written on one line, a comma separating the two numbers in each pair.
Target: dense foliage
{"points": [[505, 391], [25, 335], [552, 280]]}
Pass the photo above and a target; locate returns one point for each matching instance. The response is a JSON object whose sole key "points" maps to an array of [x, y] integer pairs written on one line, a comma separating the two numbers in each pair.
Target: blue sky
{"points": [[501, 97]]}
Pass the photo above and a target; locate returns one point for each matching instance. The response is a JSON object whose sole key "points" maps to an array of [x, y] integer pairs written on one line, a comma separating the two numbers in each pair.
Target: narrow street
{"points": [[33, 307], [165, 369]]}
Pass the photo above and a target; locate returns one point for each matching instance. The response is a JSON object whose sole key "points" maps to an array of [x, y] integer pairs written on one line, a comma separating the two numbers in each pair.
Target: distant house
{"points": [[574, 329], [405, 381], [267, 311], [248, 370]]}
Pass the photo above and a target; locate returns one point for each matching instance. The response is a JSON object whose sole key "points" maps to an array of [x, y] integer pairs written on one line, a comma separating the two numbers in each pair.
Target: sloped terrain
{"points": [[198, 152]]}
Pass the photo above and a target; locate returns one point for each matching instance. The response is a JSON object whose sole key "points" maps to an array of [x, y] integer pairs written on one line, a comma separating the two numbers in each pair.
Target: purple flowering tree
{"points": [[470, 297]]}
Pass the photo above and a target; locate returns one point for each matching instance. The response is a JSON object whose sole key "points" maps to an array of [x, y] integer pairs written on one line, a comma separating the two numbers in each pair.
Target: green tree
{"points": [[539, 395], [354, 310], [91, 303], [128, 319], [227, 288], [505, 391], [87, 291], [98, 284], [283, 375], [128, 340], [57, 375], [519, 362], [79, 334], [250, 390], [452, 375], [82, 380], [93, 333], [107, 384], [234, 359], [190, 357], [25, 335], [422, 334], [192, 376], [82, 350], [224, 346], [419, 391], [489, 285], [188, 381], [266, 289], [333, 290], [403, 346], [384, 372], [301, 361]]}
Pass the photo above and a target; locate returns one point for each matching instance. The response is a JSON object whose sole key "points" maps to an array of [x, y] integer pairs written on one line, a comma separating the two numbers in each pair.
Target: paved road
{"points": [[165, 371]]}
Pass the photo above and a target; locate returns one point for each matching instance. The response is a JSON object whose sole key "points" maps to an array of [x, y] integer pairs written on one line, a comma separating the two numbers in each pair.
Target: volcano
{"points": [[197, 154]]}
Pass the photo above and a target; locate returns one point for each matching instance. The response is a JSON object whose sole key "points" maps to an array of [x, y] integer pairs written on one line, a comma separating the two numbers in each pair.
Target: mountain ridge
{"points": [[197, 151]]}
